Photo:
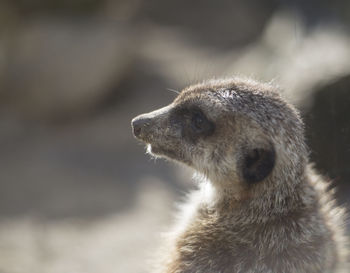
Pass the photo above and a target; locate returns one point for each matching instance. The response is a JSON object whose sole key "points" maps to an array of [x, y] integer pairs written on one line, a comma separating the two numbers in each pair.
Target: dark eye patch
{"points": [[200, 124], [194, 123]]}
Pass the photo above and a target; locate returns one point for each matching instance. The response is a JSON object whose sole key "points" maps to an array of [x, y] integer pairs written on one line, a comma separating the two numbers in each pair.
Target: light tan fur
{"points": [[285, 220]]}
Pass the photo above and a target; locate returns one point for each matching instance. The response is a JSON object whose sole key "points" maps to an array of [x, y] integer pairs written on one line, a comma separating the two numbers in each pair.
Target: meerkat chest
{"points": [[212, 244], [218, 244]]}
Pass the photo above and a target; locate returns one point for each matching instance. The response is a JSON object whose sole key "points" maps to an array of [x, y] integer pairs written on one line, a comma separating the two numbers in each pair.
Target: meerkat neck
{"points": [[263, 203]]}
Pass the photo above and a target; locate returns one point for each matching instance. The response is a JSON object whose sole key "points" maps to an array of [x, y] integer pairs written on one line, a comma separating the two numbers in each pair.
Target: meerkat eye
{"points": [[198, 121], [200, 124]]}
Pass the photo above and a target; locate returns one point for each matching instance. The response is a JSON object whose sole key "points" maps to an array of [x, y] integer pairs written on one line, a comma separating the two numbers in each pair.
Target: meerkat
{"points": [[260, 206]]}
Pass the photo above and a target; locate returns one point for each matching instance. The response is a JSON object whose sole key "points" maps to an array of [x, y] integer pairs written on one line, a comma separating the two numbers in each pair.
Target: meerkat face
{"points": [[223, 130], [175, 131]]}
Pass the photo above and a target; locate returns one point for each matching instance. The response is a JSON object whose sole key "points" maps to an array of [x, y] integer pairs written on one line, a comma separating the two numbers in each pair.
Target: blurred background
{"points": [[77, 192]]}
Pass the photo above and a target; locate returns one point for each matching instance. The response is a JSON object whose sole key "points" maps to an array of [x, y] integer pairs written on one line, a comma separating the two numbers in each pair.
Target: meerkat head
{"points": [[238, 133]]}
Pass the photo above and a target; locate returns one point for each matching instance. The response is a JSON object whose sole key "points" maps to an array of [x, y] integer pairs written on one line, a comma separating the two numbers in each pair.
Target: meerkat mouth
{"points": [[159, 151], [162, 152], [155, 151]]}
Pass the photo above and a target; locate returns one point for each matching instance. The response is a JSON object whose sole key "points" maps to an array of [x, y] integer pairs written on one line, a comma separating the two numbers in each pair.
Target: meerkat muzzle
{"points": [[145, 126]]}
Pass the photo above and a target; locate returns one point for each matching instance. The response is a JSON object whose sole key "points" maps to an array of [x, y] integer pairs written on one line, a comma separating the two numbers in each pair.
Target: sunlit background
{"points": [[77, 192]]}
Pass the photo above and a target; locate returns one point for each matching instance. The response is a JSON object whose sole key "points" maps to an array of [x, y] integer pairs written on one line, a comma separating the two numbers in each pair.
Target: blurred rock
{"points": [[322, 12], [286, 52], [123, 242], [224, 25], [297, 59], [58, 69], [176, 59], [327, 119]]}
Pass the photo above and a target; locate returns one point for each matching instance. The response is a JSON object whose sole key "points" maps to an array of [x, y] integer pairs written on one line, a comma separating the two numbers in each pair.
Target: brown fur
{"points": [[247, 215]]}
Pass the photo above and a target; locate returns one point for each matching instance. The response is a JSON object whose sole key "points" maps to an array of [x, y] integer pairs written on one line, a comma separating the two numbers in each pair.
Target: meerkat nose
{"points": [[138, 124]]}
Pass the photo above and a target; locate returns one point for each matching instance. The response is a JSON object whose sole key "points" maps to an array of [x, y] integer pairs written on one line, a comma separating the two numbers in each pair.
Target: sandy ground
{"points": [[121, 242]]}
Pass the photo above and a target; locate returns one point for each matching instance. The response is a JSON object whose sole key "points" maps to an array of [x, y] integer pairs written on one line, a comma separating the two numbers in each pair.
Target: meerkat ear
{"points": [[257, 164]]}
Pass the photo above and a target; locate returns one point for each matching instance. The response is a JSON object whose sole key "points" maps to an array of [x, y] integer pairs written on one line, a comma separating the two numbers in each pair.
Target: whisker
{"points": [[173, 90]]}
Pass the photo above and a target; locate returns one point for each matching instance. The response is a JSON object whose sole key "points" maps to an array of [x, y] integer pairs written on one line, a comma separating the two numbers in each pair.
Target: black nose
{"points": [[139, 124]]}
